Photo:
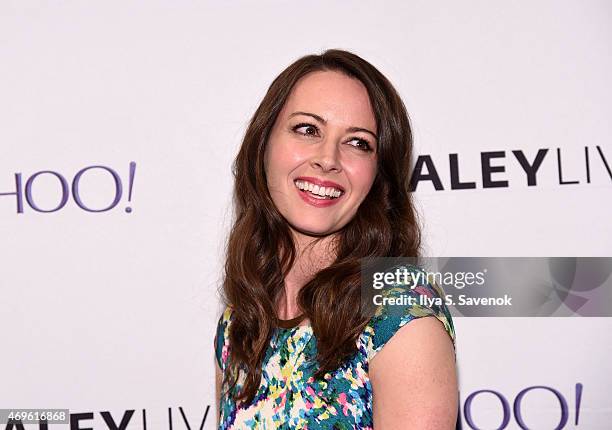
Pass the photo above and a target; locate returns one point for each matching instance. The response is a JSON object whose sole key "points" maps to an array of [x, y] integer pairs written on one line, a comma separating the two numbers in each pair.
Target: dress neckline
{"points": [[291, 323]]}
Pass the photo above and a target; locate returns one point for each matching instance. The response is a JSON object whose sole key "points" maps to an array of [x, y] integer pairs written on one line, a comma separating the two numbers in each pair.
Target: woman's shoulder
{"points": [[398, 303], [225, 319], [222, 336]]}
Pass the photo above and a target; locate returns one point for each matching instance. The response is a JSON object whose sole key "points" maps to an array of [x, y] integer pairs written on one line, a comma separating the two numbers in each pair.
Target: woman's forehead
{"points": [[335, 97]]}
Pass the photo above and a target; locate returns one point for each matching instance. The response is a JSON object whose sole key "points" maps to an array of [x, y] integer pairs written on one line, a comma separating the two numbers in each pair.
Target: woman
{"points": [[321, 182]]}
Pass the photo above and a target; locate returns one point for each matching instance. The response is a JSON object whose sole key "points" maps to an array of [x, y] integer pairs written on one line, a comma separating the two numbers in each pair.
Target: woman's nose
{"points": [[326, 156]]}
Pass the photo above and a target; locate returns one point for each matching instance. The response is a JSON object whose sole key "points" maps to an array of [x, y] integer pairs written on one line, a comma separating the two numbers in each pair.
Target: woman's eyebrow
{"points": [[323, 121], [354, 129], [314, 115]]}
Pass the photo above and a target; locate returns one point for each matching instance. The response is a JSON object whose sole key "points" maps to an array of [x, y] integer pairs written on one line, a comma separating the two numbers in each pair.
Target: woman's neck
{"points": [[311, 257]]}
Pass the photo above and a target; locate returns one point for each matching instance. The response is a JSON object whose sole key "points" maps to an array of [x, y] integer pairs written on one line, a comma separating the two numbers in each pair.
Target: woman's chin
{"points": [[313, 231]]}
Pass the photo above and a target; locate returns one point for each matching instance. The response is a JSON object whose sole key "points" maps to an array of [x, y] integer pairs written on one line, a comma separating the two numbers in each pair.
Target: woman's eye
{"points": [[306, 129], [361, 144]]}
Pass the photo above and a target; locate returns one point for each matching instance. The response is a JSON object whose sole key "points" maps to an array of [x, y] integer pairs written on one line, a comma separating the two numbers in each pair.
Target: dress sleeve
{"points": [[410, 305], [221, 342]]}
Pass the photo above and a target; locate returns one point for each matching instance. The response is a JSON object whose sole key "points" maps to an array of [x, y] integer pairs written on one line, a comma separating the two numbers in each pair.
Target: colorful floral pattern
{"points": [[290, 398]]}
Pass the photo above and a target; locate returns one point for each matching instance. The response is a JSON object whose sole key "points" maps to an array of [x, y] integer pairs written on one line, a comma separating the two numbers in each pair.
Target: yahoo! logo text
{"points": [[517, 407], [67, 189]]}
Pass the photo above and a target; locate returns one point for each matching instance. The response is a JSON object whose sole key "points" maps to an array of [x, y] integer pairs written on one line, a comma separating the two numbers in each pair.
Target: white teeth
{"points": [[318, 190]]}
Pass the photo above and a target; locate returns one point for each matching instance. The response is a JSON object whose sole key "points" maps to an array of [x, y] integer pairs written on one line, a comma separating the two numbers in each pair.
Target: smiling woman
{"points": [[320, 140], [320, 183]]}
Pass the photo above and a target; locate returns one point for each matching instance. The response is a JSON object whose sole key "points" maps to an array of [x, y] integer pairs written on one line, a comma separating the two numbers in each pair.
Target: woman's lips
{"points": [[320, 182], [313, 201]]}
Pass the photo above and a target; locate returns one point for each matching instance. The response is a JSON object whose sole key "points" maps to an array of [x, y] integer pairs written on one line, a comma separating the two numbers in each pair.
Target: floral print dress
{"points": [[288, 396]]}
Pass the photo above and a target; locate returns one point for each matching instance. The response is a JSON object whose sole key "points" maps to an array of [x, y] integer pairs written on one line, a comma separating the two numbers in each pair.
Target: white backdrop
{"points": [[115, 311]]}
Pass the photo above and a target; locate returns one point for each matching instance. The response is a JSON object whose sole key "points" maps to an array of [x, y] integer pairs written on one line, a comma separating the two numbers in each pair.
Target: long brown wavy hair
{"points": [[260, 250]]}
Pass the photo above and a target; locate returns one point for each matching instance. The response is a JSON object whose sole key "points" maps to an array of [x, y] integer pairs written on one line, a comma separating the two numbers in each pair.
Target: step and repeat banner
{"points": [[119, 122]]}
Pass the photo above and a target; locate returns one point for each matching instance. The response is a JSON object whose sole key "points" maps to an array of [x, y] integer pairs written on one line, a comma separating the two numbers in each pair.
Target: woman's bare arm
{"points": [[414, 379], [218, 379]]}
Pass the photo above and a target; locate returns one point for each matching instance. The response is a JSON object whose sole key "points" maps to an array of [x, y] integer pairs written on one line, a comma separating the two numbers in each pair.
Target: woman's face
{"points": [[322, 143]]}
